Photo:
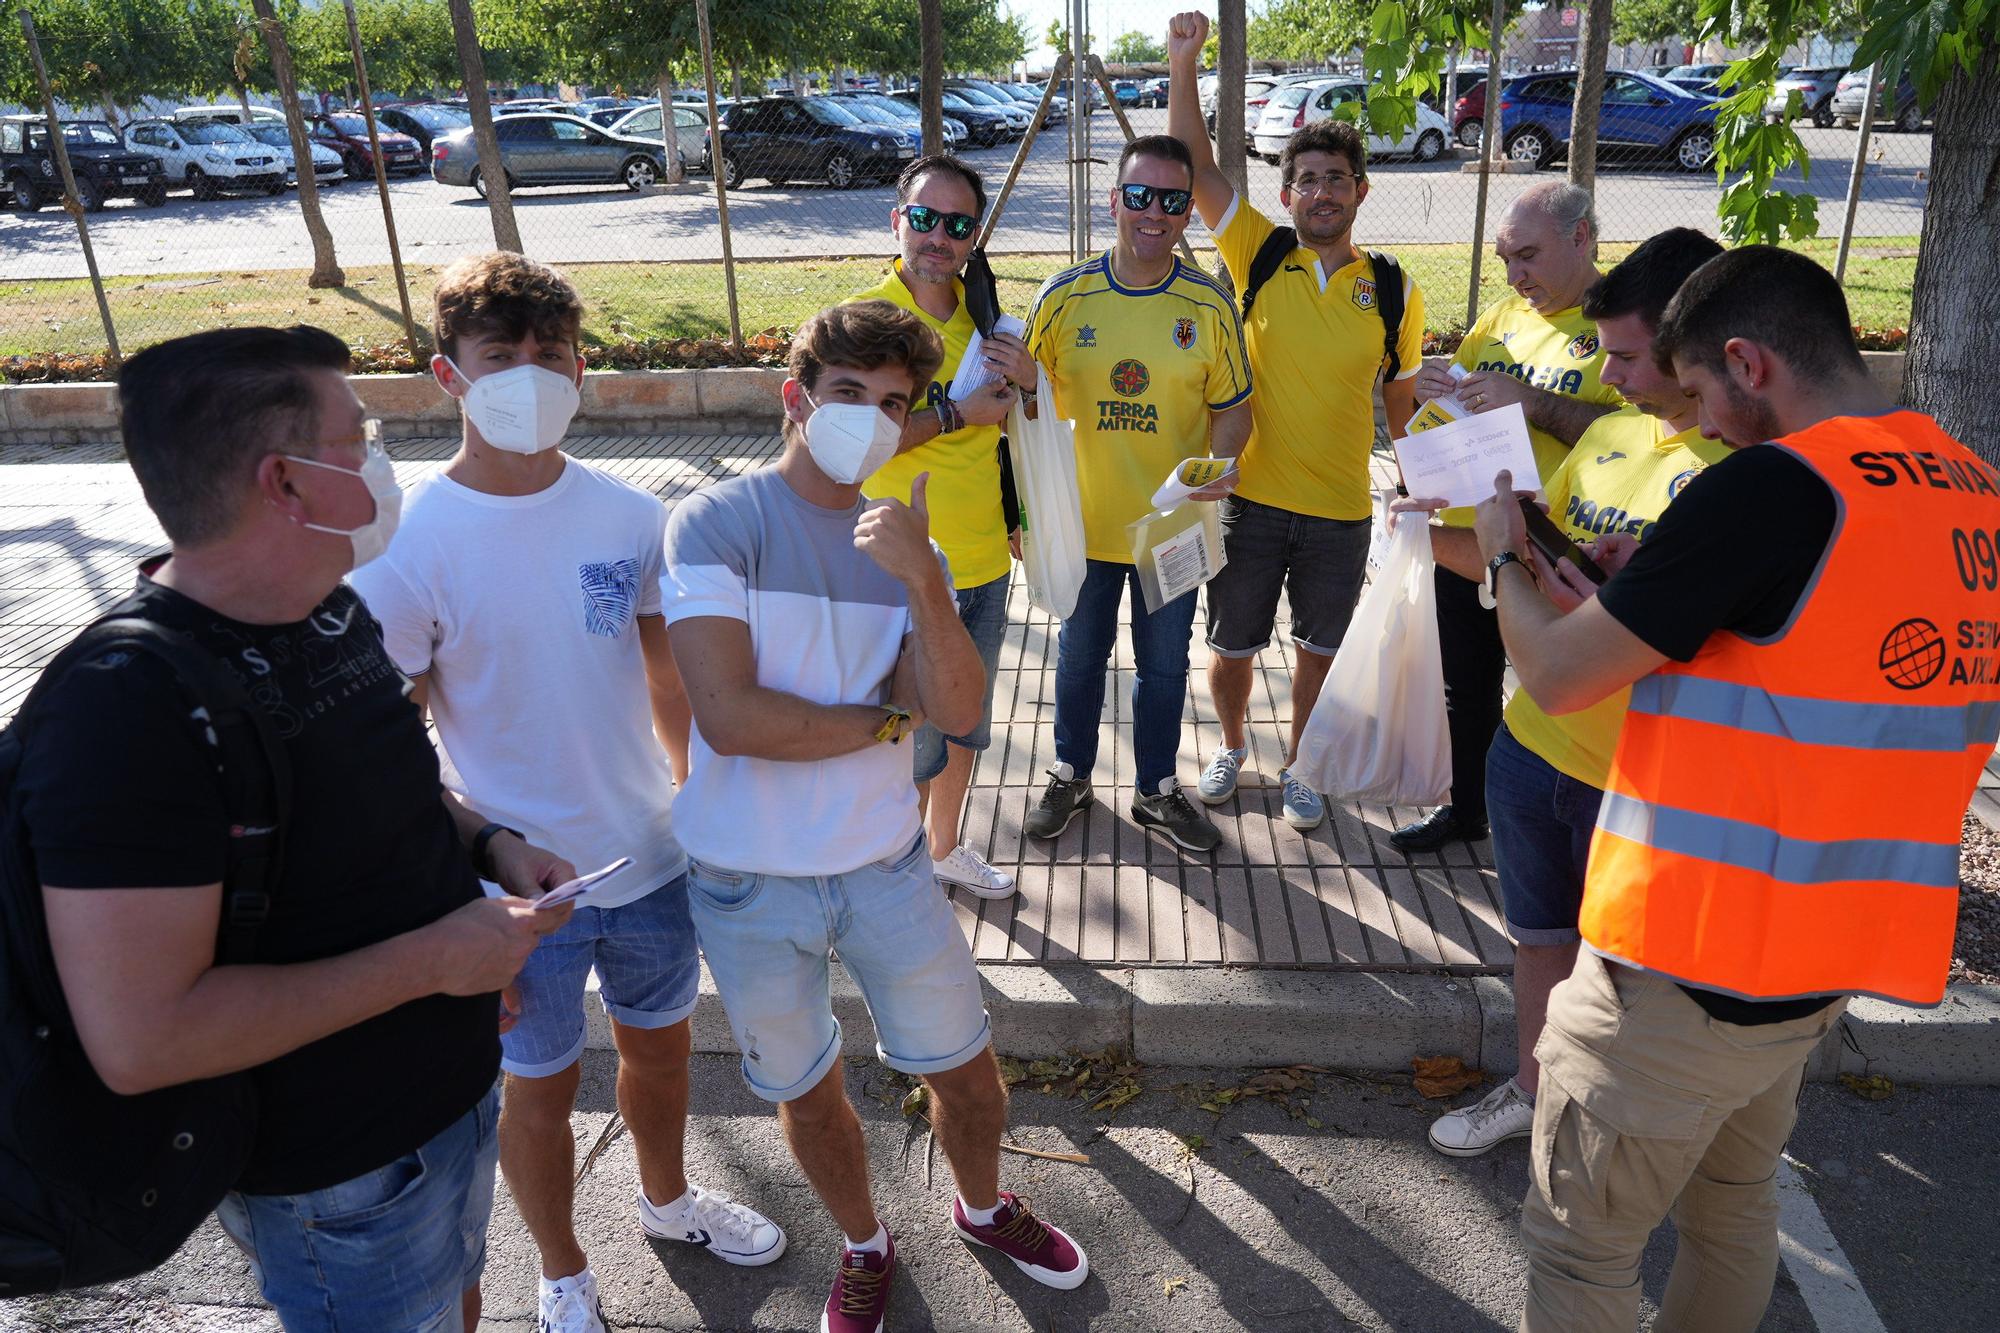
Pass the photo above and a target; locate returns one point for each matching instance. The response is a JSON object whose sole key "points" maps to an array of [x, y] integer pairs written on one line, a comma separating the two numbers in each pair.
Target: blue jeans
{"points": [[1542, 823], [1160, 654], [395, 1248], [983, 612]]}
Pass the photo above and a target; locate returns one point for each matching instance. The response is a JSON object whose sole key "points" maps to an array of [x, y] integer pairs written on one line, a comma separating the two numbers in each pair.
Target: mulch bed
{"points": [[1976, 955]]}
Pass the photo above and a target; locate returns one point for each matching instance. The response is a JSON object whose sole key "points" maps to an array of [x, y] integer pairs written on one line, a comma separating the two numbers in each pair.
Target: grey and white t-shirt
{"points": [[826, 624]]}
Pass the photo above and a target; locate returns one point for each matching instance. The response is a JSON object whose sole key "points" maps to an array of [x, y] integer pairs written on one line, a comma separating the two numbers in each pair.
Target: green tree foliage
{"points": [[1136, 48], [1653, 20], [1306, 29]]}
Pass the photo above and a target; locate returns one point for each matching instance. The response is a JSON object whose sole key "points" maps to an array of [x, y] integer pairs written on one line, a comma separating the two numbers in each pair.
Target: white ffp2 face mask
{"points": [[523, 409], [850, 441], [379, 475]]}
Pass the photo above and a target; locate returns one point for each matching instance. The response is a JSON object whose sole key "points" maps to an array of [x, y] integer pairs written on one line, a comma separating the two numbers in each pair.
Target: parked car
{"points": [[1696, 75], [690, 130], [1852, 91], [985, 125], [1031, 97], [590, 105], [1639, 116], [1153, 92], [1657, 71], [1126, 91], [547, 149], [327, 168], [208, 157], [346, 133], [527, 106], [1468, 115], [880, 109], [423, 121], [980, 93], [104, 167], [232, 114], [785, 139], [1298, 105], [1256, 94], [1815, 86]]}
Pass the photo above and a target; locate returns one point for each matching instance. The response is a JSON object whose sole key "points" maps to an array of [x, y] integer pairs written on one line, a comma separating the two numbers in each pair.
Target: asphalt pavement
{"points": [[1329, 1213], [1410, 203]]}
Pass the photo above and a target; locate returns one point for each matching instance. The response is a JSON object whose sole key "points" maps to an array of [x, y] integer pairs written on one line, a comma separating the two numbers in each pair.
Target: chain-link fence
{"points": [[195, 221]]}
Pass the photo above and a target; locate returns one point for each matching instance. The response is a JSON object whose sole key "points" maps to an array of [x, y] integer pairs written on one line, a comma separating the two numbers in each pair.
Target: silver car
{"points": [[327, 168], [1815, 87], [542, 149]]}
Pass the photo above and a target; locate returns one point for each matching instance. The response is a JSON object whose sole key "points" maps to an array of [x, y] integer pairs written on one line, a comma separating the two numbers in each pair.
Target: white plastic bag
{"points": [[1044, 454], [1377, 733]]}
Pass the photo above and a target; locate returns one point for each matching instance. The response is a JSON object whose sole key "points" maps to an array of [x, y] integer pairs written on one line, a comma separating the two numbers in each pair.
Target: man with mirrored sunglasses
{"points": [[1319, 340], [1145, 354], [939, 202]]}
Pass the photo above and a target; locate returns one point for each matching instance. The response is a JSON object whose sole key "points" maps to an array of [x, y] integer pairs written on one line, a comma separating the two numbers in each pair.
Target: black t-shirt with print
{"points": [[120, 790]]}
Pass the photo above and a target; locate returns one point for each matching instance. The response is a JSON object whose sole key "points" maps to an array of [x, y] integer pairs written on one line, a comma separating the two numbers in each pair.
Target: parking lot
{"points": [[1411, 203]]}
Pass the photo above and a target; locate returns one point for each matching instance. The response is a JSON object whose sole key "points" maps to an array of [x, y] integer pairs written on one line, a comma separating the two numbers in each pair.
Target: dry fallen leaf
{"points": [[1170, 1285], [1874, 1087], [1443, 1075]]}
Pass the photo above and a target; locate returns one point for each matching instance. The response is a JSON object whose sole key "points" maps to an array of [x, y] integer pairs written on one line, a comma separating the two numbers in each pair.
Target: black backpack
{"points": [[96, 1186], [1278, 247]]}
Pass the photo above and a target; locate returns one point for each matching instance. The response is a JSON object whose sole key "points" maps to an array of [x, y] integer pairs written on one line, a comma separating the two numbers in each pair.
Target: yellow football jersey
{"points": [[1556, 352], [1619, 478], [1315, 343], [964, 490], [1138, 370]]}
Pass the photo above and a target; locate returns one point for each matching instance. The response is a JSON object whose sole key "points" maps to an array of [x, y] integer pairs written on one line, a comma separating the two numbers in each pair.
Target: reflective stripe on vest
{"points": [[1782, 815]]}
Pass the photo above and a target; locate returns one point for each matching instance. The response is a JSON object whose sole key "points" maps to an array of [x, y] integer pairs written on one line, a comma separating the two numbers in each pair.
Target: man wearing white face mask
{"points": [[816, 629], [522, 597], [362, 1010]]}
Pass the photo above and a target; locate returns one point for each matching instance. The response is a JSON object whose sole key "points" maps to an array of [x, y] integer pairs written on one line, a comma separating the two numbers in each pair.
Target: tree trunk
{"points": [[930, 32], [1231, 65], [736, 80], [1593, 43], [670, 134], [326, 270], [1954, 339], [242, 95], [492, 169]]}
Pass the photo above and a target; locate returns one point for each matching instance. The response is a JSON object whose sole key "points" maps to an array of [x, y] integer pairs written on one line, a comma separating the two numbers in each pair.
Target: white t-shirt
{"points": [[826, 624], [523, 611]]}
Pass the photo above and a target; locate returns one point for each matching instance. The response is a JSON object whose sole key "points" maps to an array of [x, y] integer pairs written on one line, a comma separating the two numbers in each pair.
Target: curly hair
{"points": [[866, 335], [1338, 137], [505, 294]]}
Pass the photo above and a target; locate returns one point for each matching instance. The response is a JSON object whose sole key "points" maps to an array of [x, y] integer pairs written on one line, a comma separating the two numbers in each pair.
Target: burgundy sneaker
{"points": [[860, 1296], [1037, 1249]]}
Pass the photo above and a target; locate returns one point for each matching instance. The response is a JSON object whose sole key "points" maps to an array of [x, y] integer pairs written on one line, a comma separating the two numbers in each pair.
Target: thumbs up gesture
{"points": [[897, 536]]}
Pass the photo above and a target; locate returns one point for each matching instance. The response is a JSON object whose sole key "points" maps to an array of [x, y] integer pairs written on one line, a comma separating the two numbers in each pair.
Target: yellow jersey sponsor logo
{"points": [[1129, 378]]}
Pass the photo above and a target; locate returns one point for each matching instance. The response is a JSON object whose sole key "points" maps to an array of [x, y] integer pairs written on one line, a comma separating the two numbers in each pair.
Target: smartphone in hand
{"points": [[1554, 545]]}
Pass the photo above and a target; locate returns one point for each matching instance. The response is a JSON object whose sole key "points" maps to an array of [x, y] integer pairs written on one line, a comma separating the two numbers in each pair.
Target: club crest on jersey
{"points": [[1183, 333], [1583, 346], [1680, 483], [1129, 378], [1086, 336], [1364, 294]]}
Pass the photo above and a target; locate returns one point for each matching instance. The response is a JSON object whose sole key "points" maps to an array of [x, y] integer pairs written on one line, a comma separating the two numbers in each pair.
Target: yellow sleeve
{"points": [[1560, 483], [1410, 338], [1040, 316], [1229, 368], [1239, 242]]}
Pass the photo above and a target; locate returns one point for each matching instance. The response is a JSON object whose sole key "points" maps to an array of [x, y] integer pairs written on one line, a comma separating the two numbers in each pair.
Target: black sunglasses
{"points": [[1139, 198], [958, 226]]}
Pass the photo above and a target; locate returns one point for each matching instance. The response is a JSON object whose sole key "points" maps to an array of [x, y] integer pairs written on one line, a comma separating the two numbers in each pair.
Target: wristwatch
{"points": [[482, 860], [1487, 592]]}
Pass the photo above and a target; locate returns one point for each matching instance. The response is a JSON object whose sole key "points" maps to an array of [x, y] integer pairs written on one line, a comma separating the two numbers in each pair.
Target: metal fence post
{"points": [[1488, 147], [381, 184], [1079, 134], [717, 172], [69, 186], [1855, 176]]}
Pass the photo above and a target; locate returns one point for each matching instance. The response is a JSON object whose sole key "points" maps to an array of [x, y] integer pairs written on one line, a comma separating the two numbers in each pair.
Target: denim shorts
{"points": [[766, 938], [1542, 821], [648, 973], [983, 611], [394, 1248], [1319, 562]]}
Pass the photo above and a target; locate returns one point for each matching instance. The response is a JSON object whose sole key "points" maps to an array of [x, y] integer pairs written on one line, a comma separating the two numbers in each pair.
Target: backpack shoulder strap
{"points": [[1269, 258], [1389, 303], [256, 773]]}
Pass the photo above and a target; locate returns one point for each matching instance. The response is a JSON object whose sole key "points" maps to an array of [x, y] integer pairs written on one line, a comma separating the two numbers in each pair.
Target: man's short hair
{"points": [[507, 295], [1776, 298], [941, 163], [866, 335], [1565, 204], [1644, 281], [199, 413], [1339, 137], [1163, 146]]}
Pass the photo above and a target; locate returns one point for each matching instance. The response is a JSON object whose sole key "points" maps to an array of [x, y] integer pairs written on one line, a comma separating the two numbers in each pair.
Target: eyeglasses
{"points": [[1308, 186], [1139, 198], [924, 218]]}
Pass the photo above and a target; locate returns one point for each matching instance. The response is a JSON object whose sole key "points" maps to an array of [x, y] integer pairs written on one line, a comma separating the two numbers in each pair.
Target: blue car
{"points": [[1640, 117]]}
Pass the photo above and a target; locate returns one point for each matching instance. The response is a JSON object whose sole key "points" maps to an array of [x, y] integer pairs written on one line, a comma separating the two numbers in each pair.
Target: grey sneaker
{"points": [[1174, 815], [1062, 798], [1502, 1114], [1218, 780], [1304, 808]]}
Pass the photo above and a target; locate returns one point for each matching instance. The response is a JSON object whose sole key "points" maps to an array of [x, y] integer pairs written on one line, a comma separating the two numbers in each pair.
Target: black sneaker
{"points": [[1059, 804], [1435, 829], [1174, 815]]}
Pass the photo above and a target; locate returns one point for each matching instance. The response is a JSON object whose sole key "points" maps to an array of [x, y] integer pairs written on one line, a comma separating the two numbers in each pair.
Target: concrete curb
{"points": [[1255, 1018]]}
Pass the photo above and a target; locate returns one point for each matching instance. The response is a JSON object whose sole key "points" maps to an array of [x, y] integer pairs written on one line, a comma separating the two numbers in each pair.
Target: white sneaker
{"points": [[968, 869], [728, 1230], [570, 1305], [1502, 1114]]}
